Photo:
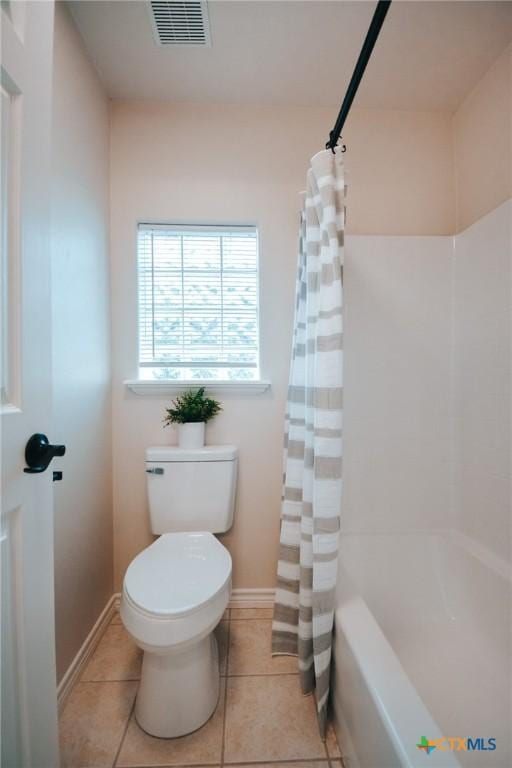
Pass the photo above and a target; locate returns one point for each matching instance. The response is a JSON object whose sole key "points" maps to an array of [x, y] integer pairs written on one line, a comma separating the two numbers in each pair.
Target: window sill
{"points": [[169, 387]]}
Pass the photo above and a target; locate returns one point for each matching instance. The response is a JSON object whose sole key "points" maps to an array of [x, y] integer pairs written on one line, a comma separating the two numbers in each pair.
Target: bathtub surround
{"points": [[481, 385], [310, 512], [81, 342], [425, 544], [396, 427]]}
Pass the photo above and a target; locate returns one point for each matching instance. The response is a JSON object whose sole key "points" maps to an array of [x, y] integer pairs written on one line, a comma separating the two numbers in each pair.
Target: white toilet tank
{"points": [[191, 489]]}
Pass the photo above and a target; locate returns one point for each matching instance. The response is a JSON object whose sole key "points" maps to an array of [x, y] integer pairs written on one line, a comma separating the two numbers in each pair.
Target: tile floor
{"points": [[251, 724]]}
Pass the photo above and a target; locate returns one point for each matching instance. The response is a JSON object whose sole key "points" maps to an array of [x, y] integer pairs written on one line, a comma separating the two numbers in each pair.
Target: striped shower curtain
{"points": [[310, 512]]}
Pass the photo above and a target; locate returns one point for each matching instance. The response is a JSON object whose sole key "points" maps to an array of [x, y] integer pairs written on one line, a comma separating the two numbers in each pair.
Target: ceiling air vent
{"points": [[184, 23]]}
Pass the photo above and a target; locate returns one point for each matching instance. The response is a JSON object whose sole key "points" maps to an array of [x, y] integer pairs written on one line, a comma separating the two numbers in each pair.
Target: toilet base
{"points": [[178, 691]]}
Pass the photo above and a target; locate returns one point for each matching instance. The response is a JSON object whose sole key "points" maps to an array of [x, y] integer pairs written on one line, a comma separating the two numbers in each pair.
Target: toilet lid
{"points": [[178, 573]]}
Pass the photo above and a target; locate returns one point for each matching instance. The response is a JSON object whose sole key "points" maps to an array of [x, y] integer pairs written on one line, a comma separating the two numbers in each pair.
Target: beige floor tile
{"points": [[93, 722], [202, 746], [332, 742], [268, 718], [250, 650], [222, 633], [298, 764], [116, 657], [252, 613]]}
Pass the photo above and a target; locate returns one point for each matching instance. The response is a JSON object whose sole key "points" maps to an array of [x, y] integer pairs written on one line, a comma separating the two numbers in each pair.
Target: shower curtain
{"points": [[311, 502]]}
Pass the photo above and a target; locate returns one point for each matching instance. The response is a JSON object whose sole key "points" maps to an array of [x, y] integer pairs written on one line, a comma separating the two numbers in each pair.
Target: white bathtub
{"points": [[429, 656]]}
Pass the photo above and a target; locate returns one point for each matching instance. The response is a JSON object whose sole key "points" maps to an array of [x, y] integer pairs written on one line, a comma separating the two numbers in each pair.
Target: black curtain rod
{"points": [[364, 57]]}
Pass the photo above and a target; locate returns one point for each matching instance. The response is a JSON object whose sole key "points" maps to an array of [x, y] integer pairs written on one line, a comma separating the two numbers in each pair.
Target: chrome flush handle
{"points": [[155, 471]]}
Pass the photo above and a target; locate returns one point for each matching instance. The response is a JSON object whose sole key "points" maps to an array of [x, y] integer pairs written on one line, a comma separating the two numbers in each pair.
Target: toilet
{"points": [[177, 589]]}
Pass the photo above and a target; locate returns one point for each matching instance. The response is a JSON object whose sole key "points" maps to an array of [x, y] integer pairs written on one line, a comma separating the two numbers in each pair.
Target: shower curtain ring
{"points": [[333, 143]]}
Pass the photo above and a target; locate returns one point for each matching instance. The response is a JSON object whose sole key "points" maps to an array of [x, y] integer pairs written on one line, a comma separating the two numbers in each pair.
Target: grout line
{"points": [[181, 765], [326, 735], [114, 680], [241, 762], [272, 674], [278, 762], [242, 611], [254, 618], [326, 747], [328, 757], [331, 758], [265, 674], [184, 765], [121, 742], [223, 742]]}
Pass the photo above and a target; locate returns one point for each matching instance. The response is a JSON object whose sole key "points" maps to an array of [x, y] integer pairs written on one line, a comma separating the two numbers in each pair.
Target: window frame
{"points": [[169, 386]]}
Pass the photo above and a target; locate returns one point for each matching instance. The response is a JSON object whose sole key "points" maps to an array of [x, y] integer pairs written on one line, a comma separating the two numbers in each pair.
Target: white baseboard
{"points": [[252, 598], [84, 654]]}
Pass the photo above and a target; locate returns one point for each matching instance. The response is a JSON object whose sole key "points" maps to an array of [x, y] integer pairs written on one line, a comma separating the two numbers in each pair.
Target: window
{"points": [[198, 302]]}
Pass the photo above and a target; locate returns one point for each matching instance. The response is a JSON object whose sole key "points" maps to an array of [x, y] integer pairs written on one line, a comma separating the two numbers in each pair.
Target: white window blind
{"points": [[198, 302]]}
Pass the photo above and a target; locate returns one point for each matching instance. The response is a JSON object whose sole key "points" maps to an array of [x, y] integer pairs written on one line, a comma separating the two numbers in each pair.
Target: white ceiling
{"points": [[428, 56]]}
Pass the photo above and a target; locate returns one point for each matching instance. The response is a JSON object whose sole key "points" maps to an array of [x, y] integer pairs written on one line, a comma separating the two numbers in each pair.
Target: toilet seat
{"points": [[175, 591], [177, 575]]}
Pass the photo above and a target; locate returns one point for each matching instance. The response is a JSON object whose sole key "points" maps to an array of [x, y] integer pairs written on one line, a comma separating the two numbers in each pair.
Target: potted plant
{"points": [[190, 411]]}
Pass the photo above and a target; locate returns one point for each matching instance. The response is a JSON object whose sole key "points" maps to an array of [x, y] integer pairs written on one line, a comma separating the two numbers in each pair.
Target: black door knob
{"points": [[39, 453]]}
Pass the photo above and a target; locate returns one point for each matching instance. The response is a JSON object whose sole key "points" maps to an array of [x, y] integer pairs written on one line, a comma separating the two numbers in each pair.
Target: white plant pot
{"points": [[191, 435]]}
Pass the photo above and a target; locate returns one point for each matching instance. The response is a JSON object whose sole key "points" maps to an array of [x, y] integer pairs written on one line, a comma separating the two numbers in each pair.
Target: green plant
{"points": [[192, 406]]}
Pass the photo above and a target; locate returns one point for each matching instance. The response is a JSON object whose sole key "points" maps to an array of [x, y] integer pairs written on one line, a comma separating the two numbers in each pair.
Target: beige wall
{"points": [[400, 172], [192, 163], [81, 348], [483, 144]]}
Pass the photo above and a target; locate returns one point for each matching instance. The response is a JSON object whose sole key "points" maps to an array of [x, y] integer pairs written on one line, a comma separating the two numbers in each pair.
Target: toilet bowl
{"points": [[174, 595]]}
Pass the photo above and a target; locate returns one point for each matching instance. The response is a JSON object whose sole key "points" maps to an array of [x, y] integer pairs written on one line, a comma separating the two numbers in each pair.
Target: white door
{"points": [[29, 706]]}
